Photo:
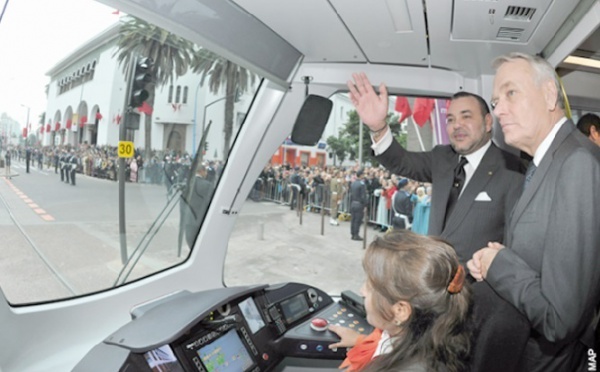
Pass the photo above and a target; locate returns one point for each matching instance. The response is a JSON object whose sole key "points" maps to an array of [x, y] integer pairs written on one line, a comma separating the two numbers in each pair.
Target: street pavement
{"points": [[269, 244], [283, 249]]}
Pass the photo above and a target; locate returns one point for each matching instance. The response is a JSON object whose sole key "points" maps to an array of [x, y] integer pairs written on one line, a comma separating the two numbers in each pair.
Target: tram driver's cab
{"points": [[230, 329], [80, 293]]}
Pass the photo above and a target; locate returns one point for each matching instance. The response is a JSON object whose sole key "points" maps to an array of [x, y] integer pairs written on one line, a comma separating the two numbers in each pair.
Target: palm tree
{"points": [[223, 73], [171, 55]]}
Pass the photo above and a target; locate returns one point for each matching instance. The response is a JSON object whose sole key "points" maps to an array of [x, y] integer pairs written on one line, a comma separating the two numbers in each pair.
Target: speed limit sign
{"points": [[125, 149]]}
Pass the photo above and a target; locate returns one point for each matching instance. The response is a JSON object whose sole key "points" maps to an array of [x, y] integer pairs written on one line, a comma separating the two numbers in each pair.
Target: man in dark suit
{"points": [[493, 176], [358, 201], [489, 184], [549, 264]]}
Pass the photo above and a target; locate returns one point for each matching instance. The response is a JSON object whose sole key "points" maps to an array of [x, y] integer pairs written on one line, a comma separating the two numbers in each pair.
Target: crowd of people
{"points": [[164, 167], [328, 188]]}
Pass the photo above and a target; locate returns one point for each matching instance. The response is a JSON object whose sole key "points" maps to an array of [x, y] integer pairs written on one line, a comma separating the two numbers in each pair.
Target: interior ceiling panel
{"points": [[328, 39], [348, 30], [387, 29], [472, 45]]}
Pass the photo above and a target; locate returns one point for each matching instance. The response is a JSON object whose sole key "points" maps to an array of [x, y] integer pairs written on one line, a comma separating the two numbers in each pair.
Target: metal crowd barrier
{"points": [[318, 198]]}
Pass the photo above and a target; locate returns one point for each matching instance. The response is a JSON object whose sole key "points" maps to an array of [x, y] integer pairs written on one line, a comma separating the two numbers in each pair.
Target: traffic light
{"points": [[142, 76]]}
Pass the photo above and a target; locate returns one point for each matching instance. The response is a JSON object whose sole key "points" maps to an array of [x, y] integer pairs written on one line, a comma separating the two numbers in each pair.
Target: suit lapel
{"points": [[482, 176], [540, 173]]}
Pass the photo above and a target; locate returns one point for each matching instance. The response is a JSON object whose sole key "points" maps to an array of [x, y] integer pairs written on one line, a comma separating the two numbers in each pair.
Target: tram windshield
{"points": [[94, 194]]}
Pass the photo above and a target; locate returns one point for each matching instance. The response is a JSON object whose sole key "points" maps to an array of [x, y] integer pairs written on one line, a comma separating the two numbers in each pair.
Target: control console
{"points": [[229, 329]]}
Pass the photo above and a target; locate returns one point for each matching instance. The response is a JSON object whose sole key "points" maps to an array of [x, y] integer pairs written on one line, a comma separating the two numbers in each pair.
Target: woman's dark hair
{"points": [[404, 266]]}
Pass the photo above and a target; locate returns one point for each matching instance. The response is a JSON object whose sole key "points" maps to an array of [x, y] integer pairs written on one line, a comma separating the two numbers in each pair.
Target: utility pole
{"points": [[137, 78]]}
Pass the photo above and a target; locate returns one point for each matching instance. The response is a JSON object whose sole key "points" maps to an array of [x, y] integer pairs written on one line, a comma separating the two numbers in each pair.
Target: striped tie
{"points": [[529, 174]]}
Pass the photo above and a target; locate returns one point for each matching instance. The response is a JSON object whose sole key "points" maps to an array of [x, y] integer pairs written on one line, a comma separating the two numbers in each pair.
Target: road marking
{"points": [[36, 208]]}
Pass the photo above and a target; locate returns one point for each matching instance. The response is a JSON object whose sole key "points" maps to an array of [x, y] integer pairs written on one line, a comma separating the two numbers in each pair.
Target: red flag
{"points": [[145, 108], [57, 126], [24, 132], [422, 110], [117, 119], [82, 121], [42, 129], [69, 123], [48, 127], [403, 108], [98, 116]]}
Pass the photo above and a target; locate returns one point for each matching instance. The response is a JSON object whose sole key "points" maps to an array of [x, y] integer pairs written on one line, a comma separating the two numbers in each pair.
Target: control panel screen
{"points": [[226, 354], [294, 308], [251, 314]]}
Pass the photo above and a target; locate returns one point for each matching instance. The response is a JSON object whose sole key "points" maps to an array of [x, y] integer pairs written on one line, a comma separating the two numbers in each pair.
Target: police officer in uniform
{"points": [[61, 165], [358, 199], [66, 166], [72, 166]]}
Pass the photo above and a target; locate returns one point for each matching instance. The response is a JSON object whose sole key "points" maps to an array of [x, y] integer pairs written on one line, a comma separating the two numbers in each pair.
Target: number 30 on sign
{"points": [[125, 149]]}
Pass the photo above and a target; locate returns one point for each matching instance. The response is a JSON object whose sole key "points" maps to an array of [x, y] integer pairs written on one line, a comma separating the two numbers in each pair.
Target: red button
{"points": [[319, 324]]}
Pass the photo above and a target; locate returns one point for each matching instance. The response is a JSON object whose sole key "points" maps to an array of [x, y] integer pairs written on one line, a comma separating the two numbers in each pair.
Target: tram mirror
{"points": [[311, 120]]}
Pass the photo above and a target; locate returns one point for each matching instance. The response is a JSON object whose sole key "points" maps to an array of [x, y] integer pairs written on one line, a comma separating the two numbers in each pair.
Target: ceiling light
{"points": [[580, 61]]}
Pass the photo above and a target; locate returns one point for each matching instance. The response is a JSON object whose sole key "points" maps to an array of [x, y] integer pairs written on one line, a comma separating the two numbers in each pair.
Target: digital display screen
{"points": [[163, 359], [294, 308], [251, 314], [226, 354]]}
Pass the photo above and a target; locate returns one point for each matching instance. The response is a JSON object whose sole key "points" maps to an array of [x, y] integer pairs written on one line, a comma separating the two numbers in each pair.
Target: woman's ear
{"points": [[402, 311]]}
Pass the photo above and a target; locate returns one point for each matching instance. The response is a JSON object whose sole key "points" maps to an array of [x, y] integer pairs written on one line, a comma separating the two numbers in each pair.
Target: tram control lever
{"points": [[355, 302]]}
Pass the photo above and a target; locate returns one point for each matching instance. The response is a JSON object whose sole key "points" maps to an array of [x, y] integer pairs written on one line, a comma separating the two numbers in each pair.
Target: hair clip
{"points": [[458, 280]]}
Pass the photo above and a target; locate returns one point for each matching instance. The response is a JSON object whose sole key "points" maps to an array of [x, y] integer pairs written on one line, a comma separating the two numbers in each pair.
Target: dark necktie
{"points": [[457, 185], [529, 174]]}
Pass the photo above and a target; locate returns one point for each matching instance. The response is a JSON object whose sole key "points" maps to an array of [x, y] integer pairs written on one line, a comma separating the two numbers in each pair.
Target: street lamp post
{"points": [[195, 116], [203, 117]]}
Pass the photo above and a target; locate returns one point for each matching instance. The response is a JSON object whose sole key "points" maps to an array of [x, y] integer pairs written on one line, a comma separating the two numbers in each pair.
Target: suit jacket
{"points": [[550, 269], [473, 223]]}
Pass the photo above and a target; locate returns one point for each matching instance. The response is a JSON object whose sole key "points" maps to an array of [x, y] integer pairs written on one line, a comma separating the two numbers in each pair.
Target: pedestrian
{"points": [[7, 159], [27, 159], [358, 202]]}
